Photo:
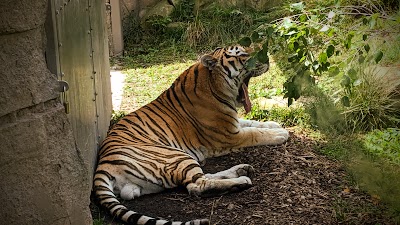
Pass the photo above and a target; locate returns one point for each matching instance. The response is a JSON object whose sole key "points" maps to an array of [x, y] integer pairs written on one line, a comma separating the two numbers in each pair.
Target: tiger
{"points": [[163, 144]]}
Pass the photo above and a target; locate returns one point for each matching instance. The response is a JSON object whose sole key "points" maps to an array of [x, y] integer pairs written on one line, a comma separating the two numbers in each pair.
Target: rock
{"points": [[22, 15], [43, 174], [24, 85], [160, 9]]}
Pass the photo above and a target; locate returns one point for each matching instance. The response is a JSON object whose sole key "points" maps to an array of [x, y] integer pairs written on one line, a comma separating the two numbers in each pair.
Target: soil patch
{"points": [[293, 184]]}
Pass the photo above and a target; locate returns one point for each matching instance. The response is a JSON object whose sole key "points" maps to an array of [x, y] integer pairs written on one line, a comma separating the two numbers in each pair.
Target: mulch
{"points": [[293, 184]]}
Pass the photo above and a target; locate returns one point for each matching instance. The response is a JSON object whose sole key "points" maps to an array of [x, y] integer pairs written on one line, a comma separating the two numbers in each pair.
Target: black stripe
{"points": [[233, 65], [196, 76], [151, 222], [134, 218], [183, 88], [225, 68]]}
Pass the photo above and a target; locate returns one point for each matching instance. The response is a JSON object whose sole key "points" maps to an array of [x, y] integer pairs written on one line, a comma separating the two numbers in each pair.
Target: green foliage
{"points": [[99, 222], [183, 11], [384, 144], [311, 40], [371, 100], [324, 114], [287, 116], [339, 146], [218, 26]]}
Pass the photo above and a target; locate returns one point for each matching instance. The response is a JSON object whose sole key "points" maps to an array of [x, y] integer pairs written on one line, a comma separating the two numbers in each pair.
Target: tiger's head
{"points": [[230, 62]]}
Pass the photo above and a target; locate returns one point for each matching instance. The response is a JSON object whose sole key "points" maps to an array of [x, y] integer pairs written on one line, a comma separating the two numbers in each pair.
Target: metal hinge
{"points": [[63, 87]]}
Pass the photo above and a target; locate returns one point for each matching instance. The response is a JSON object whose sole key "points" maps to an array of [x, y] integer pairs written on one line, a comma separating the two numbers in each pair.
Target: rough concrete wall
{"points": [[43, 179]]}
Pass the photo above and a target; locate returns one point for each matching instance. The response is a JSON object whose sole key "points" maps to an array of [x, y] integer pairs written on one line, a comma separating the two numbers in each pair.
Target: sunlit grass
{"points": [[143, 85]]}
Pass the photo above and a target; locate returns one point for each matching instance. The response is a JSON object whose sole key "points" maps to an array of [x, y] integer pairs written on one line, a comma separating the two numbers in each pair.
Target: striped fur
{"points": [[162, 144]]}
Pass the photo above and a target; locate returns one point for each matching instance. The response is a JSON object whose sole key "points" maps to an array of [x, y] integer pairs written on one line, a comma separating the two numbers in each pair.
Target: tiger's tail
{"points": [[104, 193]]}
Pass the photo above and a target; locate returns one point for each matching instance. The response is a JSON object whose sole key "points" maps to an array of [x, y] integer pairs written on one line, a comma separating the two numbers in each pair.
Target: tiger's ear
{"points": [[208, 61]]}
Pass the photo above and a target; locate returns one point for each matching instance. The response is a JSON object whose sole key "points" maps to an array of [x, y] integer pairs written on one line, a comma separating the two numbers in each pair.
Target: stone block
{"points": [[24, 77], [43, 177], [21, 15]]}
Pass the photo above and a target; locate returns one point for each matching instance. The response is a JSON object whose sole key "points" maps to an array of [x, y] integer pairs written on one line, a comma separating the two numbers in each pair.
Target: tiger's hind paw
{"points": [[243, 170]]}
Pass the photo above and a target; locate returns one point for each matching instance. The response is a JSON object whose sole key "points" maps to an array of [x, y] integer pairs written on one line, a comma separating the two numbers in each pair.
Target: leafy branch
{"points": [[310, 40]]}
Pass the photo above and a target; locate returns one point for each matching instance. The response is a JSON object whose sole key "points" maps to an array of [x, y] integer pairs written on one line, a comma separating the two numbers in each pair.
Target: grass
{"points": [[373, 101], [145, 84], [99, 222]]}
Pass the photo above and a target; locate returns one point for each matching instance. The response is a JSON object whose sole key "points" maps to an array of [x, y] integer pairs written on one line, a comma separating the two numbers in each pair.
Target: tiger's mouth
{"points": [[243, 96]]}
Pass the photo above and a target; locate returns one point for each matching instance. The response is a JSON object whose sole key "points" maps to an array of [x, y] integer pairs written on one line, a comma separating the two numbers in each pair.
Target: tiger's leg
{"points": [[233, 172], [253, 123], [197, 183], [254, 136]]}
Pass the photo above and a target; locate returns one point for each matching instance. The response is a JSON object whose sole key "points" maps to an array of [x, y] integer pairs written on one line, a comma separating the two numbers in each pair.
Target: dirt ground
{"points": [[293, 184]]}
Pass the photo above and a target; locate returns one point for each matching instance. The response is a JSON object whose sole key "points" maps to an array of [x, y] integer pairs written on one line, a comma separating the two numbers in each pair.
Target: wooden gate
{"points": [[78, 54]]}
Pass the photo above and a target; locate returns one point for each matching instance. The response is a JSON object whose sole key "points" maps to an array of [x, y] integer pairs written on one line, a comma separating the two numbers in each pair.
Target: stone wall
{"points": [[43, 179]]}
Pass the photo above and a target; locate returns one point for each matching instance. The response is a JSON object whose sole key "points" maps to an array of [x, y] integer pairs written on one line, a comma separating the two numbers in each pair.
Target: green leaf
{"points": [[265, 46], [323, 57], [352, 73], [373, 20], [331, 32], [378, 56], [347, 42], [251, 63], [287, 23], [365, 21], [333, 70], [345, 101], [330, 50], [262, 57], [270, 31], [345, 81], [297, 6], [367, 48], [295, 46], [361, 59], [365, 37], [303, 18], [290, 101], [291, 32], [255, 36], [245, 42]]}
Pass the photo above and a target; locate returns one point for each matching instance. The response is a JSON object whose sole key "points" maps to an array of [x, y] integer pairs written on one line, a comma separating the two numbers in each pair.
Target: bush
{"points": [[384, 144], [324, 113], [373, 101]]}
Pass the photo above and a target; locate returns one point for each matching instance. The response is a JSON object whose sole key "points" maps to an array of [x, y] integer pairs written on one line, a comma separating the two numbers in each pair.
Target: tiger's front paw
{"points": [[242, 183], [279, 136]]}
